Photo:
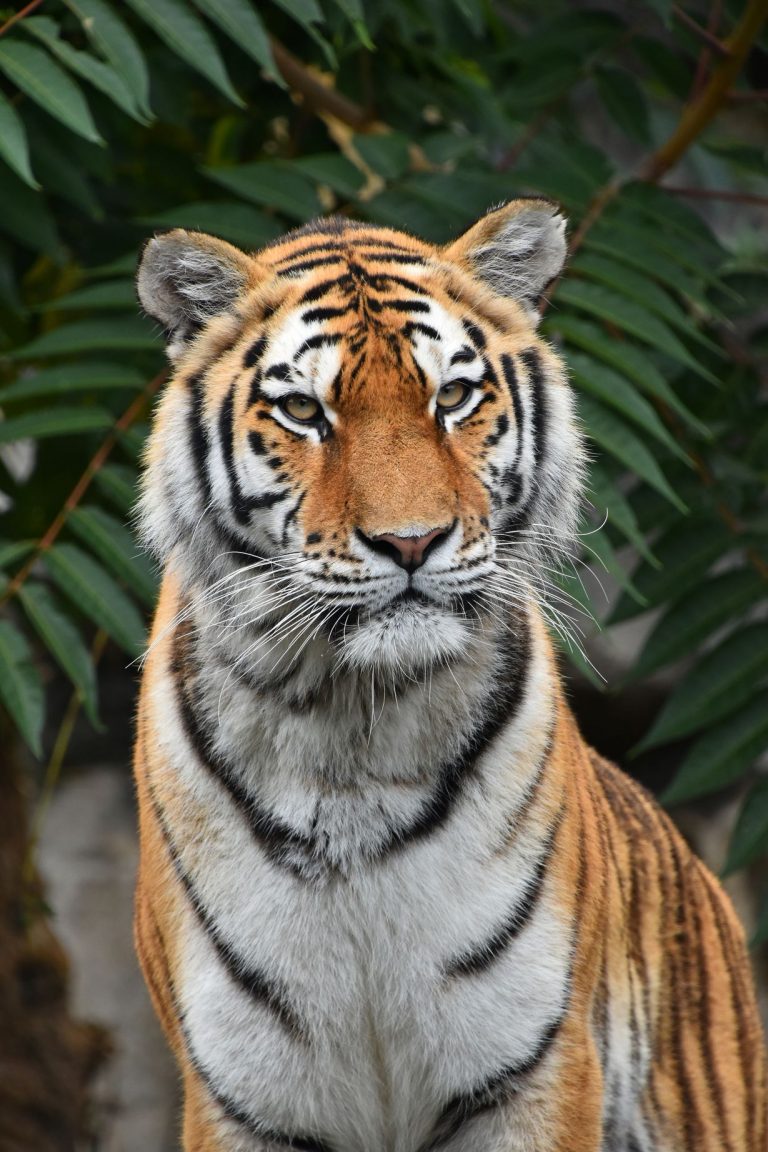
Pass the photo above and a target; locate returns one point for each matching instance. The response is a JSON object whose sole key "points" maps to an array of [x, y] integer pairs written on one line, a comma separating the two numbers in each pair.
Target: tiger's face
{"points": [[362, 425]]}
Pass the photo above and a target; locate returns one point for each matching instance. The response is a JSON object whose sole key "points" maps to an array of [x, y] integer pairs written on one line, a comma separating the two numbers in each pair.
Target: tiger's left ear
{"points": [[517, 249]]}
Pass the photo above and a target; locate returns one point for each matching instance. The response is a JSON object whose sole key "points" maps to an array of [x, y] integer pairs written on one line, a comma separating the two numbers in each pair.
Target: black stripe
{"points": [[242, 505], [251, 980], [318, 341], [425, 329], [255, 352], [532, 360], [276, 838], [198, 434], [391, 257], [463, 356], [308, 265], [382, 280], [325, 246], [454, 773], [407, 306], [481, 957], [327, 313], [501, 429], [508, 370], [475, 333], [494, 1092], [281, 371]]}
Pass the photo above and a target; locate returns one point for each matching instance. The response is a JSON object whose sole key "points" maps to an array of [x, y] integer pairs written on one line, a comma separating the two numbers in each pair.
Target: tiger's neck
{"points": [[352, 762]]}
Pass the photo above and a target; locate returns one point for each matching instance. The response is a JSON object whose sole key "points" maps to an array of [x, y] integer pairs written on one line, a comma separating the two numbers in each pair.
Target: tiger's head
{"points": [[364, 437]]}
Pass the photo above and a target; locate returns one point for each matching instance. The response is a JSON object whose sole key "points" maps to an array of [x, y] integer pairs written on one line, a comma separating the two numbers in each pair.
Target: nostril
{"points": [[408, 552]]}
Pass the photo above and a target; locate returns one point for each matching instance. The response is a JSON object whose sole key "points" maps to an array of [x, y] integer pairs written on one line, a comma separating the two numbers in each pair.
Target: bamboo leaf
{"points": [[113, 543], [87, 67], [624, 102], [714, 688], [685, 551], [614, 390], [63, 641], [272, 183], [95, 593], [25, 216], [21, 689], [723, 754], [750, 836], [118, 484], [184, 32], [13, 550], [54, 421], [14, 148], [41, 78], [243, 25], [706, 607], [613, 435], [114, 39], [626, 358], [239, 223], [115, 295], [630, 317], [124, 333], [67, 378], [609, 499]]}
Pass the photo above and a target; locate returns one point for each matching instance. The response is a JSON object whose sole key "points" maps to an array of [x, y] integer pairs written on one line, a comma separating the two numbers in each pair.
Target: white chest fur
{"points": [[381, 1027]]}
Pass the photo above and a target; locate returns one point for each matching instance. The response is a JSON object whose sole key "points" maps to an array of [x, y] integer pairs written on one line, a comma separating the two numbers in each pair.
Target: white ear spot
{"points": [[186, 279], [516, 249]]}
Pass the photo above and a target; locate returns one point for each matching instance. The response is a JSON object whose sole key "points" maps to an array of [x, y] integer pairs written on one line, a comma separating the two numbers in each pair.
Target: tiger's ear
{"points": [[185, 279], [517, 249]]}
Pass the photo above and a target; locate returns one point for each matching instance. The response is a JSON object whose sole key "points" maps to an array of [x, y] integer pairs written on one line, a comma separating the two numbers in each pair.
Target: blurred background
{"points": [[648, 122]]}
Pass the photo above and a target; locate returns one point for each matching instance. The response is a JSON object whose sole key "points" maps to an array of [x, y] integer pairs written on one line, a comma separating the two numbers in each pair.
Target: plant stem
{"points": [[27, 10]]}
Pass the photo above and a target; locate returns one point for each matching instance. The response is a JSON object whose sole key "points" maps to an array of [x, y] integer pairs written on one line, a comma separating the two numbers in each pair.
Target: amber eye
{"points": [[453, 395], [301, 408]]}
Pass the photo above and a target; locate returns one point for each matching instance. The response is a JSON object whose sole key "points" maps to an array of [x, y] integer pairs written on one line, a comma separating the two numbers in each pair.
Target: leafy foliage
{"points": [[116, 119]]}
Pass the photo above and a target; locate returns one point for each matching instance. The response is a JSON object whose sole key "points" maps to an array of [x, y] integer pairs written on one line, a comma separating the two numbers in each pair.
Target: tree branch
{"points": [[717, 194], [94, 466], [318, 97], [705, 33], [27, 10], [701, 110]]}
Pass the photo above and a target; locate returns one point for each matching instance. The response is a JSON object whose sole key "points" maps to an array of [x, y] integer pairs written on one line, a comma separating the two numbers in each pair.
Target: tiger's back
{"points": [[388, 899]]}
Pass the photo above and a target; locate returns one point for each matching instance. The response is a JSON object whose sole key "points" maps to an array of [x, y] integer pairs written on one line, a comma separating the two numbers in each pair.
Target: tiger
{"points": [[388, 899]]}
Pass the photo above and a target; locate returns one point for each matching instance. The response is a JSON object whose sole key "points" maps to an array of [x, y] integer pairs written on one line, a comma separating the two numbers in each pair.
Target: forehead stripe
{"points": [[328, 313], [508, 369], [407, 305], [307, 265]]}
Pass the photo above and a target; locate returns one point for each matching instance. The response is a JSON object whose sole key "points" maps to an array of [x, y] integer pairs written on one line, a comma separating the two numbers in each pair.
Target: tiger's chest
{"points": [[358, 1009]]}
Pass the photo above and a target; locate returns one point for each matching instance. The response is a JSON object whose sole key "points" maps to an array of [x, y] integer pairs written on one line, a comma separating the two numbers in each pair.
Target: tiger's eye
{"points": [[301, 408], [452, 395]]}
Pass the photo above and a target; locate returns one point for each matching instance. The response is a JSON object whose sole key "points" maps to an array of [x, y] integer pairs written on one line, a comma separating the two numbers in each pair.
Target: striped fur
{"points": [[389, 901]]}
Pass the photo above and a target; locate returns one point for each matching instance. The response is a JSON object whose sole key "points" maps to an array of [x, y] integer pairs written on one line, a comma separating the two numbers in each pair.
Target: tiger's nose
{"points": [[408, 552]]}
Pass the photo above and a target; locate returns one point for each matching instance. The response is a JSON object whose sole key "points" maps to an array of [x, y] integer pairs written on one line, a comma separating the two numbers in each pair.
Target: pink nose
{"points": [[409, 552]]}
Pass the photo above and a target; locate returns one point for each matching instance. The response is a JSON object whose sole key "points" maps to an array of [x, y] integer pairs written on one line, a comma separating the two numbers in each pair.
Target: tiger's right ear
{"points": [[186, 279]]}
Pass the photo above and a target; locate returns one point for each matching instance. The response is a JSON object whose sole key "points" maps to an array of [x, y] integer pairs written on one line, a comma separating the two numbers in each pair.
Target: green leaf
{"points": [[642, 290], [353, 10], [88, 67], [616, 438], [41, 78], [750, 836], [114, 39], [608, 499], [47, 422], [614, 390], [14, 148], [58, 165], [628, 359], [239, 223], [272, 183], [176, 24], [388, 154], [13, 550], [238, 19], [686, 550], [124, 333], [624, 102], [118, 483], [332, 169], [67, 378], [706, 607], [114, 544], [630, 317], [304, 12], [716, 686], [116, 295], [63, 641], [723, 754], [600, 547], [25, 216], [95, 593], [21, 690]]}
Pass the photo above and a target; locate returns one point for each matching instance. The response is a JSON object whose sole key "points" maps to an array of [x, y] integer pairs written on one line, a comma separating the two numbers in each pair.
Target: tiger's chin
{"points": [[405, 638]]}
